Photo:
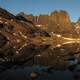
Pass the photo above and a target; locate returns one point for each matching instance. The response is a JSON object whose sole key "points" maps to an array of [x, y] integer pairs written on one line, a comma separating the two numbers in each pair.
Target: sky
{"points": [[37, 7]]}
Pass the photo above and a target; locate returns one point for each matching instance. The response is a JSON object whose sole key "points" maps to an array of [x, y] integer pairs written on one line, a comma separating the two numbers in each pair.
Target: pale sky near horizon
{"points": [[37, 7]]}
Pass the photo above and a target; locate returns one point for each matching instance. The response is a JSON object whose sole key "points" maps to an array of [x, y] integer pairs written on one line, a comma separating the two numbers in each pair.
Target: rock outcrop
{"points": [[17, 37]]}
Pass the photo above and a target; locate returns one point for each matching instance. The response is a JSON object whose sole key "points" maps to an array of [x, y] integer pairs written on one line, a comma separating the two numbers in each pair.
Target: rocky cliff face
{"points": [[40, 21], [60, 22], [57, 22]]}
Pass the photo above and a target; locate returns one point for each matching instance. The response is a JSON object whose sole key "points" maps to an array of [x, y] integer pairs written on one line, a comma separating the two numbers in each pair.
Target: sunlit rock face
{"points": [[60, 22], [40, 21]]}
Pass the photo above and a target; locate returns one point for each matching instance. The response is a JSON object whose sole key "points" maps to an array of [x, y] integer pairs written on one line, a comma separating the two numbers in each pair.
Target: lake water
{"points": [[24, 73]]}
